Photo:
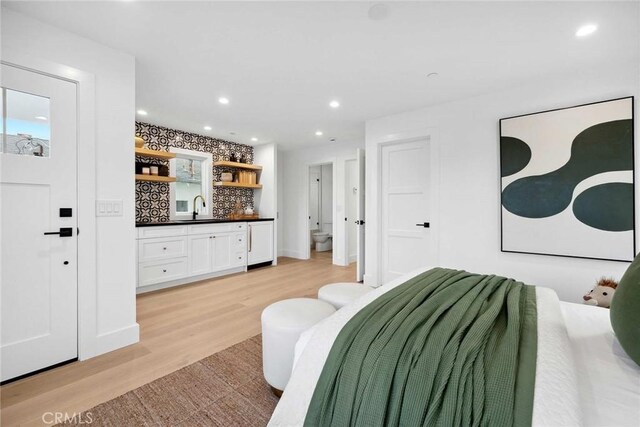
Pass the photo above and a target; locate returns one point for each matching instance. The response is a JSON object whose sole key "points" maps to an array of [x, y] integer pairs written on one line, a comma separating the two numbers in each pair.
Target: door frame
{"points": [[404, 138], [88, 345], [334, 212]]}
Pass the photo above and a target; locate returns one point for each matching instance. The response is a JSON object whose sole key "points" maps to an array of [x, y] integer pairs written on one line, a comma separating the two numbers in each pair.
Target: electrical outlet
{"points": [[108, 207]]}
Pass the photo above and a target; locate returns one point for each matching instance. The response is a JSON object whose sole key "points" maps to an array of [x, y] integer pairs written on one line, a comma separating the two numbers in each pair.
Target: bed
{"points": [[583, 377]]}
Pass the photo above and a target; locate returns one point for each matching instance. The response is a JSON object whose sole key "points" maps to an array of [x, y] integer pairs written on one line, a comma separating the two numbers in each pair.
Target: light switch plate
{"points": [[108, 207]]}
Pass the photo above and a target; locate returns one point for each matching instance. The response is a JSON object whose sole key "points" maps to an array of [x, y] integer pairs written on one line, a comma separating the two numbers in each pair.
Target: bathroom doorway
{"points": [[320, 228]]}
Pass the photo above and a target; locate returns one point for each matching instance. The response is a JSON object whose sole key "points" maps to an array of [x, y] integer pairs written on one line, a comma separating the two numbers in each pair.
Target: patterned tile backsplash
{"points": [[152, 198]]}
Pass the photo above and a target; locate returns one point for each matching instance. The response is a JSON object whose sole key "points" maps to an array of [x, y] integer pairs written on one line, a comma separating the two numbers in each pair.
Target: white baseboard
{"points": [[112, 341], [292, 254], [190, 279]]}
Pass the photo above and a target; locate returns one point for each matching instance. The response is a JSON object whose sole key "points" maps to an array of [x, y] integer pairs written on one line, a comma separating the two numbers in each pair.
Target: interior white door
{"points": [[405, 195], [314, 200], [38, 186], [360, 213]]}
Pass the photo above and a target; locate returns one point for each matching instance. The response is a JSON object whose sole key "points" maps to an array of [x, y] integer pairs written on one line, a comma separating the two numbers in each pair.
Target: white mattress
{"points": [[564, 395], [608, 380]]}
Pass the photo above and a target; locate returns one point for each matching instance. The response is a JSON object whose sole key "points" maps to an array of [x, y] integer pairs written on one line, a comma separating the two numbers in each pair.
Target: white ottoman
{"points": [[282, 324], [341, 294]]}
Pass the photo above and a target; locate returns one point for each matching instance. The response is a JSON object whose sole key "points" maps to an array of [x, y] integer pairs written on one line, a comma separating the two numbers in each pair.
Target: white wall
{"points": [[107, 301], [266, 199], [295, 169], [465, 134]]}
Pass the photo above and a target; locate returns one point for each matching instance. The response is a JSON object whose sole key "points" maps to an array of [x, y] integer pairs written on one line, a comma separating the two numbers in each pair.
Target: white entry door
{"points": [[38, 188], [360, 209], [405, 195]]}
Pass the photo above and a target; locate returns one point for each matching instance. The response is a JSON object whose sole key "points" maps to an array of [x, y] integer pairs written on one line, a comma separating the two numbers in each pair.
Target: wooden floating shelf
{"points": [[163, 155], [236, 184], [155, 178], [237, 165]]}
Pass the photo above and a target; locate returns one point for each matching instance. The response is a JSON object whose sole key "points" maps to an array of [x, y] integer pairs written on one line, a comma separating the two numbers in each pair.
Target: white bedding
{"points": [[556, 397], [608, 380]]}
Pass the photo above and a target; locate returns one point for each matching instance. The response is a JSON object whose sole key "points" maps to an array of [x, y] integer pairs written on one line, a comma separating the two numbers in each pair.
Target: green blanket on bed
{"points": [[446, 348]]}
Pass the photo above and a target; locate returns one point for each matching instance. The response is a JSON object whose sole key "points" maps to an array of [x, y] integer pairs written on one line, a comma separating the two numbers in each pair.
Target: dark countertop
{"points": [[199, 221]]}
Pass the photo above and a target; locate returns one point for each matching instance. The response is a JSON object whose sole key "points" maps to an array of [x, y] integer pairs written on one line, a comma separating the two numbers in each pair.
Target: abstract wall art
{"points": [[567, 181]]}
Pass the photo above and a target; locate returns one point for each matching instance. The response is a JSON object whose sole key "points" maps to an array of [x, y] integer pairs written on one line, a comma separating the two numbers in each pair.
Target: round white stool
{"points": [[341, 294], [282, 324]]}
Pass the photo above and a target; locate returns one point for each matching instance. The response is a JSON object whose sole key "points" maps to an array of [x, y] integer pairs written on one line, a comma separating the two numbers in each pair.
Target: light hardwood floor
{"points": [[178, 327]]}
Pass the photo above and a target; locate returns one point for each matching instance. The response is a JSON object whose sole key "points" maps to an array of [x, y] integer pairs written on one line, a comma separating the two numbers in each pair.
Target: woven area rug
{"points": [[224, 389]]}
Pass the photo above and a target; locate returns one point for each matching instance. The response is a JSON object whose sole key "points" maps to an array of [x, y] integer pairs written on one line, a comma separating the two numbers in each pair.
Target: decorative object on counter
{"points": [[248, 210], [139, 142], [233, 158], [242, 159], [153, 170], [226, 176]]}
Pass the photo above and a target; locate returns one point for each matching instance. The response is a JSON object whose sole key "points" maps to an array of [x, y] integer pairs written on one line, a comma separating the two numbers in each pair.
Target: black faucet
{"points": [[195, 212]]}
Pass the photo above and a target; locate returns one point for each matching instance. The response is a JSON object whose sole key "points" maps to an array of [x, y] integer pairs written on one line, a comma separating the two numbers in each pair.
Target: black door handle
{"points": [[424, 224], [360, 222], [64, 232]]}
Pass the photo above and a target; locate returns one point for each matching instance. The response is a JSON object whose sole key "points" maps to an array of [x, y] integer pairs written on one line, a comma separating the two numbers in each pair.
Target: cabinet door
{"points": [[222, 251], [260, 242], [200, 254]]}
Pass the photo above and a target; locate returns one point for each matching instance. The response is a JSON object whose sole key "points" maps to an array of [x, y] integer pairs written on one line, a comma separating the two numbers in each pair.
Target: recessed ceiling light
{"points": [[318, 133], [207, 128], [586, 29], [41, 118], [223, 100], [334, 104], [254, 139], [142, 112], [378, 12]]}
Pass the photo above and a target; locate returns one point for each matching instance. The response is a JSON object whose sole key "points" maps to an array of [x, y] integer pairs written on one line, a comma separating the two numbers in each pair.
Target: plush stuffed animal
{"points": [[602, 293]]}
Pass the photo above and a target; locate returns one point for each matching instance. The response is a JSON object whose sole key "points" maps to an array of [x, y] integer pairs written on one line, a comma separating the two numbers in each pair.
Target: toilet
{"points": [[323, 241]]}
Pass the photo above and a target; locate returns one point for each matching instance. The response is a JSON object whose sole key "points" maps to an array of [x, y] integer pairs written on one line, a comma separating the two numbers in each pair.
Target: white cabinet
{"points": [[260, 242], [201, 250], [170, 255]]}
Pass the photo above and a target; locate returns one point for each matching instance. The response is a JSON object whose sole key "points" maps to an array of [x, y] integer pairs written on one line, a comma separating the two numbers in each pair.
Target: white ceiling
{"points": [[280, 63]]}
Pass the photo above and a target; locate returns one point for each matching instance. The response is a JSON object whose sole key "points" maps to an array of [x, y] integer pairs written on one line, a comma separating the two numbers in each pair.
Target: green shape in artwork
{"points": [[515, 154], [607, 207]]}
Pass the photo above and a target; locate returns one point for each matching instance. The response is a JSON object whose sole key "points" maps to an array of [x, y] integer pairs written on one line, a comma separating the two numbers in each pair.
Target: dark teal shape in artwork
{"points": [[604, 147], [607, 207], [514, 155]]}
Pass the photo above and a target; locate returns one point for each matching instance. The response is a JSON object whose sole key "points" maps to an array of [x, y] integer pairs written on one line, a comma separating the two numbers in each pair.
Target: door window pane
{"points": [[26, 130], [188, 184]]}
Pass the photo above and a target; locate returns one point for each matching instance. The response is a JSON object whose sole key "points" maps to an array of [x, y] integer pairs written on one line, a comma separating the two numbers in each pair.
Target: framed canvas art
{"points": [[567, 181]]}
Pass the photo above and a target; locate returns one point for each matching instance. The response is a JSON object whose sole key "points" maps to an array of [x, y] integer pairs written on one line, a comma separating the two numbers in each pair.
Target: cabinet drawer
{"points": [[162, 231], [150, 273], [239, 259], [154, 249], [240, 240], [217, 228]]}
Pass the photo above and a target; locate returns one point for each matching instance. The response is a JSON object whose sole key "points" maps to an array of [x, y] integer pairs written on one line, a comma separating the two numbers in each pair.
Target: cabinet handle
{"points": [[250, 237], [164, 249], [164, 271]]}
